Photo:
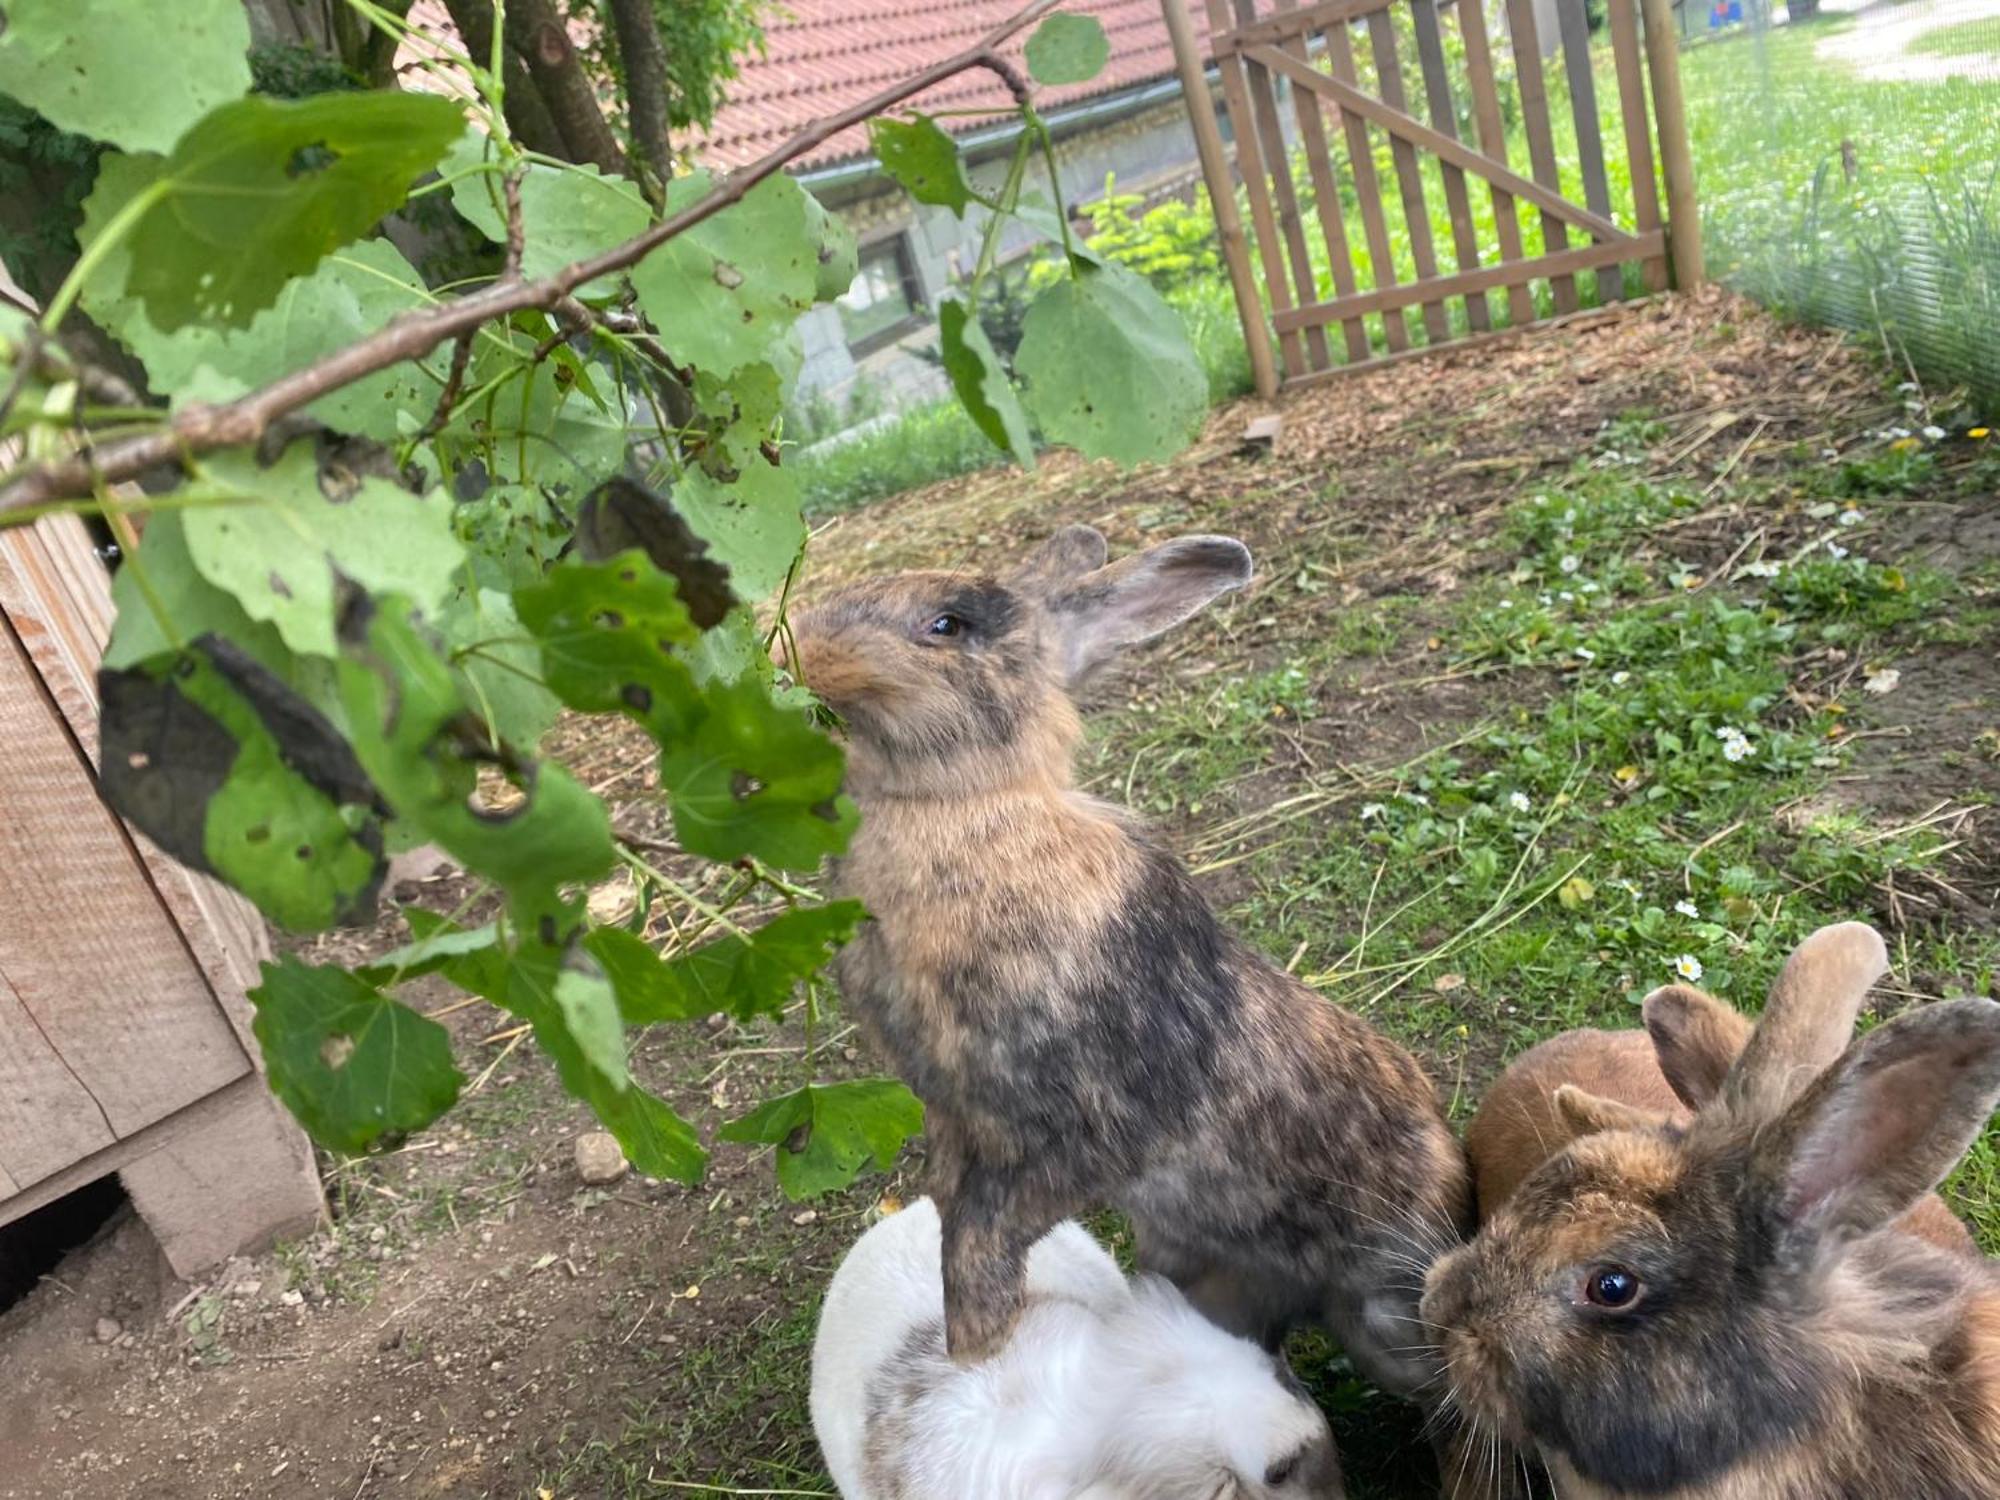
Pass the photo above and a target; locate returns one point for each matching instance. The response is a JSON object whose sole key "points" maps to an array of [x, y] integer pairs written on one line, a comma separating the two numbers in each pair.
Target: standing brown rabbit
{"points": [[1080, 1027], [1742, 1305]]}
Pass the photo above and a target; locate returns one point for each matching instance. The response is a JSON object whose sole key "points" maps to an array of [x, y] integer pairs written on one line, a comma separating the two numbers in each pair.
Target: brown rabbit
{"points": [[1080, 1027], [1584, 1081], [1723, 1309]]}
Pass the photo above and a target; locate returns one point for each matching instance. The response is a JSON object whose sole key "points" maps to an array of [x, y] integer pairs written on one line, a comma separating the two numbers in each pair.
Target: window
{"points": [[884, 301]]}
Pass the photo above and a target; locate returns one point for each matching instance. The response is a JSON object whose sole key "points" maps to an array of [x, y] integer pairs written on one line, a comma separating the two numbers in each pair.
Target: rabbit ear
{"points": [[1808, 1020], [1696, 1038], [1586, 1113], [1883, 1126], [1065, 557], [1140, 596]]}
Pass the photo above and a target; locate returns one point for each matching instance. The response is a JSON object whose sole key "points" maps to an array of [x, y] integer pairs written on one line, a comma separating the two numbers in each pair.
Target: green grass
{"points": [[1963, 39], [921, 446]]}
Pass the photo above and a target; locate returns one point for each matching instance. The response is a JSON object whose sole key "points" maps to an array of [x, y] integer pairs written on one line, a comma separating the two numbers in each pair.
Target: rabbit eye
{"points": [[1282, 1471], [1611, 1286], [945, 625]]}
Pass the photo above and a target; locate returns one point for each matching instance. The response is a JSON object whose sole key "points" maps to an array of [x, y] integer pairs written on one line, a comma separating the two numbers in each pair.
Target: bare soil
{"points": [[478, 1322]]}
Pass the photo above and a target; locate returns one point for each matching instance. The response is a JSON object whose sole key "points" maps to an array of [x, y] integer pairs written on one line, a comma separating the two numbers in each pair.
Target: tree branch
{"points": [[527, 116], [536, 32], [638, 32], [198, 428]]}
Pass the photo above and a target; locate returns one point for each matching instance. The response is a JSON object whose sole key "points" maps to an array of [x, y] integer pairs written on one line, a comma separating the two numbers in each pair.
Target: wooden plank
{"points": [[1367, 187], [8, 1186], [1352, 100], [47, 1117], [1493, 143], [1291, 224], [1663, 65], [1326, 195], [1256, 186], [1444, 119], [1622, 18], [84, 941], [1535, 123], [1294, 23], [1576, 258], [1409, 175], [1575, 28], [1216, 173]]}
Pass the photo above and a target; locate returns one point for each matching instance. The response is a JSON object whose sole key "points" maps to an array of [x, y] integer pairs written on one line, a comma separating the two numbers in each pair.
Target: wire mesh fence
{"points": [[1848, 158]]}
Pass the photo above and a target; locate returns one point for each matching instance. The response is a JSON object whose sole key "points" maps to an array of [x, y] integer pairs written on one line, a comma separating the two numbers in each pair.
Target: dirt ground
{"points": [[478, 1322]]}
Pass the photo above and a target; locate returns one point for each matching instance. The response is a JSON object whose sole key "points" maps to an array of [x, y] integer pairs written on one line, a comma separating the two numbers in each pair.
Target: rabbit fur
{"points": [[1044, 974], [1106, 1391], [1727, 1307]]}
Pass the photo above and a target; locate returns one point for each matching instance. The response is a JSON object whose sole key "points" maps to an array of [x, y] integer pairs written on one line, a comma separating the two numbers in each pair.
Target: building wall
{"points": [[1151, 147]]}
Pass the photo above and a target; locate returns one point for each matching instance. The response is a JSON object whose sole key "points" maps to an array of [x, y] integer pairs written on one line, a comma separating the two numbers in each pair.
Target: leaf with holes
{"points": [[981, 381], [226, 769], [413, 733], [1068, 49], [753, 525], [756, 779], [726, 291], [133, 75], [825, 1134], [568, 213], [744, 976], [607, 633], [351, 1063], [621, 515], [835, 251], [278, 537], [924, 160], [262, 190], [1109, 368], [741, 413]]}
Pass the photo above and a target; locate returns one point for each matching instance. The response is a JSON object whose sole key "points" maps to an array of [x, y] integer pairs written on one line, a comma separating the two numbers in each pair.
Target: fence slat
{"points": [[1367, 187], [1624, 23], [1326, 195], [1289, 23], [1577, 258], [1535, 122], [1264, 103], [1409, 174], [1493, 142], [1575, 28], [1256, 187], [1444, 117]]}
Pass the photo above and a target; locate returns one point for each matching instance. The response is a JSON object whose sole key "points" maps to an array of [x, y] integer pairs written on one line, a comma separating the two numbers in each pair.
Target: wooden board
{"points": [[1367, 186], [1264, 107], [1622, 17], [1541, 144], [1493, 143], [1444, 120], [1326, 198], [47, 1117], [1574, 26], [1409, 176]]}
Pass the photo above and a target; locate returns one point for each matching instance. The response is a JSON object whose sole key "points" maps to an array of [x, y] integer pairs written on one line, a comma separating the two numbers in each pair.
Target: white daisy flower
{"points": [[1619, 679], [1417, 797], [1933, 434], [1518, 801], [1688, 967], [1835, 551], [1761, 570], [1737, 749], [1687, 909], [1570, 563], [1584, 653], [1851, 517]]}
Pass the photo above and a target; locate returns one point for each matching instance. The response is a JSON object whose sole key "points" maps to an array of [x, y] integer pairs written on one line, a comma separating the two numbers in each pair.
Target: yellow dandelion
{"points": [[1978, 434]]}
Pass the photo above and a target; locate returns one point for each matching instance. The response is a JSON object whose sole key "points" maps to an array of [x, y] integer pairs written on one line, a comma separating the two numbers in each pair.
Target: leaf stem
{"points": [[113, 234]]}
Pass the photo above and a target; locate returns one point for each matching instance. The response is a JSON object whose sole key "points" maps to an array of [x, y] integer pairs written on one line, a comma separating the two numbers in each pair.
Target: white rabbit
{"points": [[1106, 1390]]}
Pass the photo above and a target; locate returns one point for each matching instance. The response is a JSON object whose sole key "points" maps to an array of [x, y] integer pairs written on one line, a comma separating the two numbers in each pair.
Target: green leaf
{"points": [[261, 190], [621, 514], [835, 250], [924, 160], [222, 766], [1109, 368], [133, 75], [757, 779], [981, 381], [607, 633], [590, 1012], [409, 727], [753, 526], [1068, 49], [744, 976], [351, 1063], [438, 945], [729, 289], [742, 411], [511, 533], [567, 212], [297, 525], [499, 672], [825, 1134]]}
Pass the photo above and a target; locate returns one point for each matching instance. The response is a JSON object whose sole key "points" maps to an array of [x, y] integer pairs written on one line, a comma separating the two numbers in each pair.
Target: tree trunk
{"points": [[537, 33], [527, 116], [638, 31]]}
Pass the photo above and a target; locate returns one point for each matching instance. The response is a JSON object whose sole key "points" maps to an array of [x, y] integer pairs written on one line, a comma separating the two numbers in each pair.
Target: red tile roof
{"points": [[830, 54]]}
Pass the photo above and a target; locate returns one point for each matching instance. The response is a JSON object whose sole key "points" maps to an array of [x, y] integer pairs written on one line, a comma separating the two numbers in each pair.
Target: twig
{"points": [[461, 357], [517, 235], [200, 428]]}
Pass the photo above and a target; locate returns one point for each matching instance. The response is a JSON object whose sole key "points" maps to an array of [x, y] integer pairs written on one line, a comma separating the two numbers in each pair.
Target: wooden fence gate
{"points": [[1312, 51]]}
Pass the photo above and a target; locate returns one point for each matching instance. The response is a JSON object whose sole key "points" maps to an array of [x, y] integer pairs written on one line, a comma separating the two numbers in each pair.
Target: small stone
{"points": [[717, 1023], [292, 1298], [107, 1330], [246, 1289], [599, 1159], [808, 1216]]}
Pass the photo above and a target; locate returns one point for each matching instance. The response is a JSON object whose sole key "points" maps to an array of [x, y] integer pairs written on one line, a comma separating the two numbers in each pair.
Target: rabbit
{"points": [[1661, 1074], [1724, 1308], [1106, 1391], [1082, 1030]]}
